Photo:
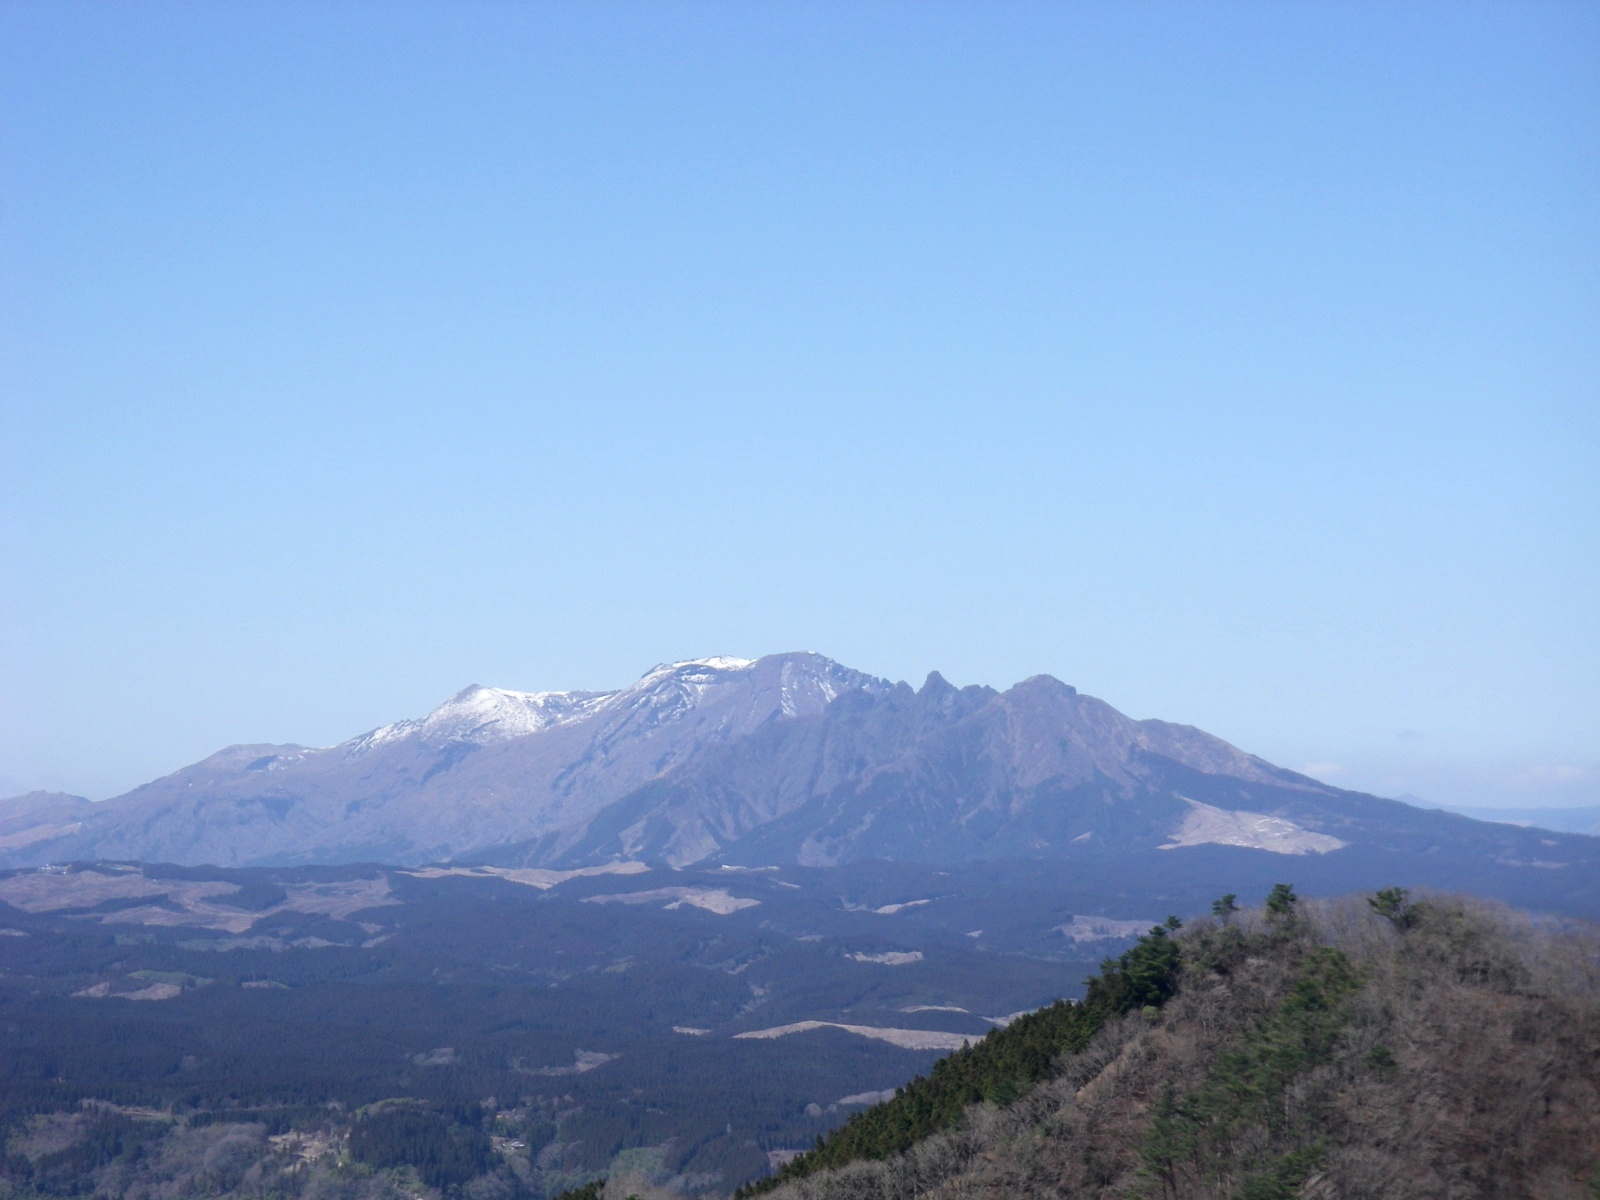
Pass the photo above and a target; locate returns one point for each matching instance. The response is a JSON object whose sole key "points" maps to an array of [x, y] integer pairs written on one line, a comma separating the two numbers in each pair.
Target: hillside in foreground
{"points": [[1370, 1047]]}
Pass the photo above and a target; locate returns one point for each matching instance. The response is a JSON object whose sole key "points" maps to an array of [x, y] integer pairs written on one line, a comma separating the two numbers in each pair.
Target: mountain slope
{"points": [[485, 768], [40, 817], [1441, 1048], [948, 775], [787, 759]]}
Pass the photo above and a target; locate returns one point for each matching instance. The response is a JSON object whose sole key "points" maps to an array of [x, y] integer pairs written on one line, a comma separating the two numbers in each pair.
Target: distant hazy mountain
{"points": [[40, 816], [787, 759], [1584, 819]]}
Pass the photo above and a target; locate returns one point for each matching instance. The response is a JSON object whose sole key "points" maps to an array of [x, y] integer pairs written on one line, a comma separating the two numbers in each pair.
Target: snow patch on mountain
{"points": [[481, 715], [693, 669], [793, 689], [672, 689]]}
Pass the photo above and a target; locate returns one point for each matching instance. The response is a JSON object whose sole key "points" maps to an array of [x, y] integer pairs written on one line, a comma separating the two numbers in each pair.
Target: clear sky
{"points": [[1239, 364]]}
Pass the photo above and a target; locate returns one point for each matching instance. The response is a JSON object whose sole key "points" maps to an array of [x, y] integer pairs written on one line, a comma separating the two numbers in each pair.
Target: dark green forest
{"points": [[471, 1024], [471, 1033]]}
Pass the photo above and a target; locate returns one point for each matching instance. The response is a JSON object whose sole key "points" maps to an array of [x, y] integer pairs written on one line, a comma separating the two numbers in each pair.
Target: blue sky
{"points": [[1239, 364]]}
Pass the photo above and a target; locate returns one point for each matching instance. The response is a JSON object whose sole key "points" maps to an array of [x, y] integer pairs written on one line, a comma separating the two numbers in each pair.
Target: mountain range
{"points": [[791, 758]]}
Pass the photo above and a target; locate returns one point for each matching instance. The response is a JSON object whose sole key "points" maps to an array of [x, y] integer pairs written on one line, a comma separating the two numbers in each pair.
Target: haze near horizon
{"points": [[1235, 364]]}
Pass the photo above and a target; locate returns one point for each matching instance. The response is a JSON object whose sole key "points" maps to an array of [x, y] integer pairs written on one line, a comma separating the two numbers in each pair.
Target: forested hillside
{"points": [[1000, 1067], [1371, 1047]]}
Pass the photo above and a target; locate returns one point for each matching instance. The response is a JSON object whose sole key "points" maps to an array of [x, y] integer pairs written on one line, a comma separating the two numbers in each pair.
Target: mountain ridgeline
{"points": [[788, 759]]}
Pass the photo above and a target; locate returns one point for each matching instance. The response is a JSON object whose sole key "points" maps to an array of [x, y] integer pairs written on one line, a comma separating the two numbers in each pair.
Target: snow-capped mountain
{"points": [[487, 767], [483, 714], [791, 758]]}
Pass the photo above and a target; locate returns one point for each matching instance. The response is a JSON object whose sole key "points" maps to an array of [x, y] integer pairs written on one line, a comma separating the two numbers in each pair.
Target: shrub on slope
{"points": [[1447, 1048], [999, 1068]]}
